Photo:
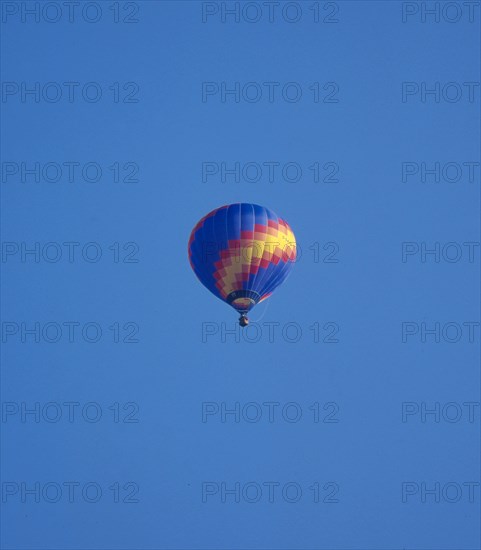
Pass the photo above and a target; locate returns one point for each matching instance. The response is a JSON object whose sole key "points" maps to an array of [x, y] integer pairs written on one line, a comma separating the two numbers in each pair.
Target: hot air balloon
{"points": [[242, 252]]}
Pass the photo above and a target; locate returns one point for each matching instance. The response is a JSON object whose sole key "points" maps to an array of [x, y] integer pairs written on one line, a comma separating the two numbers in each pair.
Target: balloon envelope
{"points": [[241, 252]]}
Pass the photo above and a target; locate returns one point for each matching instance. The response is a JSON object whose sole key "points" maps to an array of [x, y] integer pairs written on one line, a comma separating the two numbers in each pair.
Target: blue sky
{"points": [[332, 382]]}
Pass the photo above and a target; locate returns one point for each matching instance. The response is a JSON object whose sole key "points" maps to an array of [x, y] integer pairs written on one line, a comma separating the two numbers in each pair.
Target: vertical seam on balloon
{"points": [[240, 238], [218, 249], [267, 274], [283, 273], [280, 276], [255, 281], [286, 268], [227, 230], [249, 264], [205, 266]]}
